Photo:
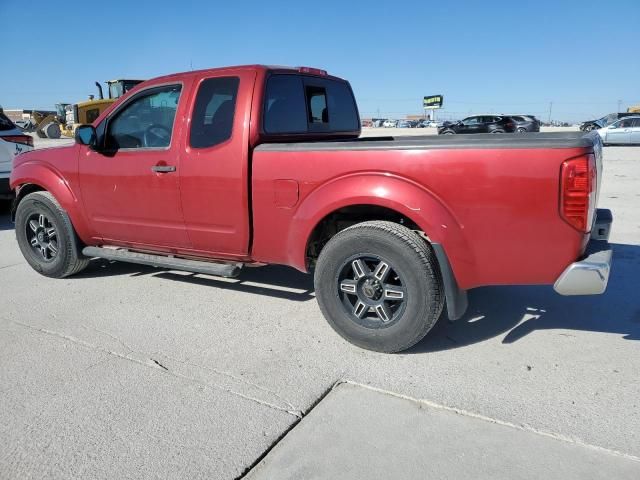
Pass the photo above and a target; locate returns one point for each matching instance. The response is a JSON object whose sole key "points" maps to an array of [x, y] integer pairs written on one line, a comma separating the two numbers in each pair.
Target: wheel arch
{"points": [[382, 197], [35, 176]]}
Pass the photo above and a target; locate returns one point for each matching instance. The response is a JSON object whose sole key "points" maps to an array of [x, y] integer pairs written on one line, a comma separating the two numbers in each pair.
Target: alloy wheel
{"points": [[371, 291]]}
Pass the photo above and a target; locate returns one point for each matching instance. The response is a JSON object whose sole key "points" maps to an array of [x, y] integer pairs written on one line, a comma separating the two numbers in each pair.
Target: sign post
{"points": [[432, 102]]}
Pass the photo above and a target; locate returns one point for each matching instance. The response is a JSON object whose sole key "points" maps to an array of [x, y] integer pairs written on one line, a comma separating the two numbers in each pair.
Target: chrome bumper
{"points": [[590, 275]]}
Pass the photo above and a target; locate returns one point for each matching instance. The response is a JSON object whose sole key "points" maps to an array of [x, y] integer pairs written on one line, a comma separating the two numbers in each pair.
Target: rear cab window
{"points": [[301, 104]]}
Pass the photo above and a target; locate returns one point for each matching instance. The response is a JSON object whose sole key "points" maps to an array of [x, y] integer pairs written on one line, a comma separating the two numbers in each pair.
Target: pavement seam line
{"points": [[276, 441], [296, 413], [234, 377], [12, 265], [187, 362], [478, 416]]}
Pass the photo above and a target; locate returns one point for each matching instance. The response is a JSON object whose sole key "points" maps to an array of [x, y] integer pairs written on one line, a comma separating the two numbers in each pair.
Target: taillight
{"points": [[578, 192], [21, 139]]}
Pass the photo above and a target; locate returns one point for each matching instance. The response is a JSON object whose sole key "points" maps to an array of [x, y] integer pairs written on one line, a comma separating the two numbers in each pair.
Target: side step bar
{"points": [[163, 261]]}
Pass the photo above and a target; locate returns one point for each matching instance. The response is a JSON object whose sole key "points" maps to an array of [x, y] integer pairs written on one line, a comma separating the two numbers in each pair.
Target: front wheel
{"points": [[46, 237], [379, 286]]}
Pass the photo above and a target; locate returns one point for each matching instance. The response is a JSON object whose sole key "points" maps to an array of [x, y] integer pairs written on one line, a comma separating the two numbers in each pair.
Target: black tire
{"points": [[497, 131], [412, 271], [448, 132], [521, 130], [55, 251]]}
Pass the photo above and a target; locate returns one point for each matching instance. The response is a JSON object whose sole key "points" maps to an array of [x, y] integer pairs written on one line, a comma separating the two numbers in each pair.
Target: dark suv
{"points": [[526, 123], [480, 124]]}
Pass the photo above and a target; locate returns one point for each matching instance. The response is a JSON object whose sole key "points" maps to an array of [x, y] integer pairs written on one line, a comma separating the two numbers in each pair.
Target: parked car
{"points": [[174, 175], [625, 131], [479, 124], [12, 142], [403, 124], [390, 123], [603, 121], [526, 123], [427, 124]]}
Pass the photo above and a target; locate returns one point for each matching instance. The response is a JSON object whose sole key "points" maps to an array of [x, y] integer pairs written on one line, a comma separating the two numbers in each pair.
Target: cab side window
{"points": [[146, 121], [212, 121]]}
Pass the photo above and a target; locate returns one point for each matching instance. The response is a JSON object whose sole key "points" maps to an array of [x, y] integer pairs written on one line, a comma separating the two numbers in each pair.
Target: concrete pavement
{"points": [[131, 372], [357, 432]]}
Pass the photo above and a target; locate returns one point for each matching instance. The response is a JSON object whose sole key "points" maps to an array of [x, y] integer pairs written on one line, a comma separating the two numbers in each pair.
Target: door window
{"points": [[213, 113], [471, 121], [146, 121]]}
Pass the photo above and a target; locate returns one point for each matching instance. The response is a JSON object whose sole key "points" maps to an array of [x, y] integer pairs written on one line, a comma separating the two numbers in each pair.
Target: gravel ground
{"points": [[131, 372]]}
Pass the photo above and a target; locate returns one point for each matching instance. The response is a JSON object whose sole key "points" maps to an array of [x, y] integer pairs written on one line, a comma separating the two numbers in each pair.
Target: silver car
{"points": [[625, 131]]}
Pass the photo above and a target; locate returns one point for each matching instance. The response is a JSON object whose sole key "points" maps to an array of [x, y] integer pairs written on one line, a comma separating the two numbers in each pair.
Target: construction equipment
{"points": [[47, 124], [67, 117], [86, 112]]}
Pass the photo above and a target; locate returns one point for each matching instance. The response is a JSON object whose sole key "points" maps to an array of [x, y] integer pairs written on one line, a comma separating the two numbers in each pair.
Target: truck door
{"points": [[214, 177], [470, 125], [635, 131], [130, 184], [620, 131]]}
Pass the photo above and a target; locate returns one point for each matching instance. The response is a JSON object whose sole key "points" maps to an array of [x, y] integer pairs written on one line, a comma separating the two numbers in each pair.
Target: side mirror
{"points": [[86, 135], [613, 126]]}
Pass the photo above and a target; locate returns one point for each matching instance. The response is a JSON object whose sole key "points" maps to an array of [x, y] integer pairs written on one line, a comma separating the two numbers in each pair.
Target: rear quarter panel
{"points": [[494, 211]]}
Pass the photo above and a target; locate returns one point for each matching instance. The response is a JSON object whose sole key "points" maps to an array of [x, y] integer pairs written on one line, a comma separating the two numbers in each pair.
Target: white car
{"points": [[12, 142], [625, 131], [390, 123]]}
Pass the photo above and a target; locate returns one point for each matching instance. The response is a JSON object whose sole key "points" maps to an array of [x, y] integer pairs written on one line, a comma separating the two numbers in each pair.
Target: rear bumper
{"points": [[590, 275]]}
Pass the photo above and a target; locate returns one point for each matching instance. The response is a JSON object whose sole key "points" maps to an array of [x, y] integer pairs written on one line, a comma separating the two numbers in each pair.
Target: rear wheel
{"points": [[448, 132], [521, 130], [379, 286], [46, 237], [497, 131]]}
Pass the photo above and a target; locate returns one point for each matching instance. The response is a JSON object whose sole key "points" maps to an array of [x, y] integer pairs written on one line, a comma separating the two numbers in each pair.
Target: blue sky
{"points": [[483, 56]]}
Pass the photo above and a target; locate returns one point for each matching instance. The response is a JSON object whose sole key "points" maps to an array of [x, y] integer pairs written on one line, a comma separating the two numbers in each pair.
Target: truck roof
{"points": [[254, 67]]}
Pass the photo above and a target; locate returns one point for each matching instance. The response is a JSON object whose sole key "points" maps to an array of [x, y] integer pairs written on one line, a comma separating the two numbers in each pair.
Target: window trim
{"points": [[193, 107], [142, 93]]}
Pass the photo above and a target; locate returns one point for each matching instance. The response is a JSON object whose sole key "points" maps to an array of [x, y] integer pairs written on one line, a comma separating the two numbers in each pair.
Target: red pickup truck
{"points": [[213, 170]]}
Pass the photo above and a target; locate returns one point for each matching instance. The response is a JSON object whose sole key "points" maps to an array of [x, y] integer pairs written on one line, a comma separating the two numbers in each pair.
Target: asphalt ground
{"points": [[132, 372]]}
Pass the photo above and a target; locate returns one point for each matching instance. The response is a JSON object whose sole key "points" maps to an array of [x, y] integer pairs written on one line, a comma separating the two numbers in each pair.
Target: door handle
{"points": [[163, 168]]}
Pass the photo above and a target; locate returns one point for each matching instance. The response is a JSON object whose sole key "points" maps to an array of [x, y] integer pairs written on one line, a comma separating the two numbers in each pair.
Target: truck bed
{"points": [[491, 200], [476, 141]]}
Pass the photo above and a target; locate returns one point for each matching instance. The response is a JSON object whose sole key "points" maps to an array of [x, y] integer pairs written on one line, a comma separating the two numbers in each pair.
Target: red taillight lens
{"points": [[577, 192], [21, 139]]}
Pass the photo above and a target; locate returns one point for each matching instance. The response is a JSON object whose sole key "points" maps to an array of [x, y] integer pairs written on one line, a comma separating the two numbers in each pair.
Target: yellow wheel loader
{"points": [[86, 112]]}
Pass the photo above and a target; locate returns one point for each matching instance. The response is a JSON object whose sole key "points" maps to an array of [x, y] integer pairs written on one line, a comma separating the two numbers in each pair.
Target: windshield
{"points": [[5, 123], [115, 90]]}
